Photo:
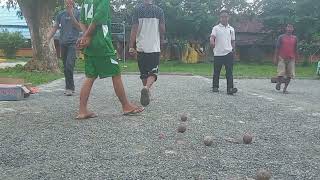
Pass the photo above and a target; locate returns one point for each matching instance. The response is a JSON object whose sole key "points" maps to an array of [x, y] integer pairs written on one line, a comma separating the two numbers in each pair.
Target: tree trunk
{"points": [[38, 15]]}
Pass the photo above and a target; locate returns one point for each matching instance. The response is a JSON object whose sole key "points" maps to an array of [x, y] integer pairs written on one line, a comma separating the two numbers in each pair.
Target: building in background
{"points": [[12, 21]]}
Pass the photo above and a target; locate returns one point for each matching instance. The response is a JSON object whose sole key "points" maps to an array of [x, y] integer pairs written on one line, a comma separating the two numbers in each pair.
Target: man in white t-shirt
{"points": [[223, 42], [148, 27]]}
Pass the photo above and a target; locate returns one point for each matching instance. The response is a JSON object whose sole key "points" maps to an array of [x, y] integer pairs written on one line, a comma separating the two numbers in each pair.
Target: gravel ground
{"points": [[41, 140]]}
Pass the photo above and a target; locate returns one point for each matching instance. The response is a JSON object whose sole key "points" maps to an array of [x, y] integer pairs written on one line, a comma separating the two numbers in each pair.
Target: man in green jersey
{"points": [[100, 60]]}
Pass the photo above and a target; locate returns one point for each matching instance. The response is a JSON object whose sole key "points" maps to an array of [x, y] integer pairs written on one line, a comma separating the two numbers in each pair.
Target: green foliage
{"points": [[10, 42], [193, 19], [36, 78], [303, 14]]}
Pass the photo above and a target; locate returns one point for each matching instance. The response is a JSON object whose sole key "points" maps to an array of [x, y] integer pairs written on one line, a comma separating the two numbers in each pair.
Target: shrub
{"points": [[10, 42]]}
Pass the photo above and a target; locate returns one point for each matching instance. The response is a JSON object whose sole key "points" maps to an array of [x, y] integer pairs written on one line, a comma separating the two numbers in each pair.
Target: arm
{"points": [[233, 44], [83, 27], [101, 16], [90, 30], [233, 40], [213, 41], [276, 52], [134, 31], [276, 56], [85, 40], [162, 32], [297, 50], [52, 31], [74, 20], [133, 36], [162, 26], [213, 37]]}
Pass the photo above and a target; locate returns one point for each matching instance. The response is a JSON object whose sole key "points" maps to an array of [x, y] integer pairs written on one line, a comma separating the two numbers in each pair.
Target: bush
{"points": [[10, 42]]}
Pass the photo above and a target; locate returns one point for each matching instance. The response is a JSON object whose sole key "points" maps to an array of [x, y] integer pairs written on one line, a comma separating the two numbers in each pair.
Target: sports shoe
{"points": [[215, 89], [145, 98], [68, 92], [232, 91]]}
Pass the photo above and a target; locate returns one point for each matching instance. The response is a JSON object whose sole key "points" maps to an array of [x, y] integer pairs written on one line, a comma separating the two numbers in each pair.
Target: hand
{"points": [[162, 41], [296, 59], [83, 42], [132, 51], [275, 60]]}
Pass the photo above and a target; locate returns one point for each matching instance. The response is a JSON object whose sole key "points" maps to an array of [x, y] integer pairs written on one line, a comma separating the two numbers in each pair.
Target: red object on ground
{"points": [[34, 90]]}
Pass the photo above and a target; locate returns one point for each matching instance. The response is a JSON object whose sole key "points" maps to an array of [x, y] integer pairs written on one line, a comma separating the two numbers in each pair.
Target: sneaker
{"points": [[145, 97], [215, 89], [68, 92], [232, 91], [278, 86], [285, 92]]}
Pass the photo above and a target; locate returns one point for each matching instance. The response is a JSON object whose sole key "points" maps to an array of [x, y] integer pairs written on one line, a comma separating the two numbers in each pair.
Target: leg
{"points": [[144, 82], [119, 90], [152, 62], [281, 73], [149, 67], [145, 92], [216, 72], [69, 68], [64, 53], [84, 113], [280, 80], [229, 70], [127, 107], [150, 80], [286, 83], [290, 71], [142, 68]]}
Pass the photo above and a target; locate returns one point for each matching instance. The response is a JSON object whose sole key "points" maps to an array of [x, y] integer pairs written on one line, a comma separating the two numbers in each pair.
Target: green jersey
{"points": [[98, 11]]}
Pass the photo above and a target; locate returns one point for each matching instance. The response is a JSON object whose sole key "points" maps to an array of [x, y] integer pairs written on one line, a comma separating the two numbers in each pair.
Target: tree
{"points": [[193, 19], [303, 14], [38, 15], [185, 19]]}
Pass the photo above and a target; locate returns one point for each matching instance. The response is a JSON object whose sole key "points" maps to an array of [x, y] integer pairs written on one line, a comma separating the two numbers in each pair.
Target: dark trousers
{"points": [[219, 61], [68, 55]]}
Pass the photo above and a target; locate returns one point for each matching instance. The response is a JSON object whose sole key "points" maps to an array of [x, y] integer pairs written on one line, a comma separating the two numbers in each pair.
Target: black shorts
{"points": [[148, 64]]}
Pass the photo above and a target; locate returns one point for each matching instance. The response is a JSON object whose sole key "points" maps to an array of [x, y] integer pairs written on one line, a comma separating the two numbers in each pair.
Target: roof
{"points": [[249, 26], [11, 22], [10, 17], [252, 32]]}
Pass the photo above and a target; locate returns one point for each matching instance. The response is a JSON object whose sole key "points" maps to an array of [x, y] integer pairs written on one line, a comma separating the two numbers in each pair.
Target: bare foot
{"points": [[131, 109], [86, 115]]}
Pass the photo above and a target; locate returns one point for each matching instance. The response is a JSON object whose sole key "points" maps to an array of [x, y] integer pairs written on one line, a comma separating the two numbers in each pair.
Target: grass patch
{"points": [[36, 78], [247, 70], [250, 70]]}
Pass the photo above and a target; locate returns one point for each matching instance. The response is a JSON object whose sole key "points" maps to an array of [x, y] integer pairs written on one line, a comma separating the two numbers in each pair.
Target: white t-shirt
{"points": [[224, 36], [148, 17]]}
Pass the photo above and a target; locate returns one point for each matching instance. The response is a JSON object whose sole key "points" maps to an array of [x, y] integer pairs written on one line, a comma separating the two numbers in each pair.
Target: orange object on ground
{"points": [[34, 90]]}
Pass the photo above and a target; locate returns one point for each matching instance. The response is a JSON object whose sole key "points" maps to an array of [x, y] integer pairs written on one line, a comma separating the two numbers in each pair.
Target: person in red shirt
{"points": [[286, 54]]}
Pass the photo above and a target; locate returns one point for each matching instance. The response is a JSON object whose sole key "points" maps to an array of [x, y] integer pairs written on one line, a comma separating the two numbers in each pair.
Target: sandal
{"points": [[134, 112], [87, 116]]}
